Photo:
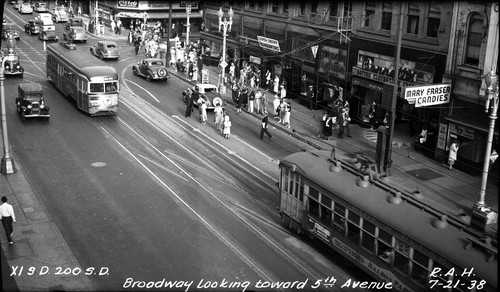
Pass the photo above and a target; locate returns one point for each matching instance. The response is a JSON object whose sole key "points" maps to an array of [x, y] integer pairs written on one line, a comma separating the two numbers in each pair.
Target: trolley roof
{"points": [[410, 220], [83, 61]]}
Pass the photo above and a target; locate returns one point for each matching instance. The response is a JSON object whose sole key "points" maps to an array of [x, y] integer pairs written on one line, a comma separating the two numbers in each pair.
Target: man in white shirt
{"points": [[8, 216]]}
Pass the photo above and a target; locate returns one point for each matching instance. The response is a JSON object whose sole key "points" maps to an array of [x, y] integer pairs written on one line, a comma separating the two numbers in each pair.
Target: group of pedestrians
{"points": [[341, 121], [221, 118]]}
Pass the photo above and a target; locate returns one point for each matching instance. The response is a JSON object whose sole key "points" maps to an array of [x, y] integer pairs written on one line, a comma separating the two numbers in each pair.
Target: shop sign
{"points": [[248, 41], [428, 95], [371, 75], [367, 84], [441, 143], [254, 59], [269, 44], [462, 131], [128, 4]]}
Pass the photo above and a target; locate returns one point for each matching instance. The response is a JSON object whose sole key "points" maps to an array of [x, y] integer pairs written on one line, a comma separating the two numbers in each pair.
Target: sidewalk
{"points": [[454, 190]]}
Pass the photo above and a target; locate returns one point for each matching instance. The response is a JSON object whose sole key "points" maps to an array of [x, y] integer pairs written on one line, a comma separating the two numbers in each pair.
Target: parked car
{"points": [[30, 102], [33, 26], [10, 29], [48, 33], [208, 92], [74, 34], [41, 7], [12, 66], [25, 8], [105, 50], [59, 15], [74, 21], [151, 69]]}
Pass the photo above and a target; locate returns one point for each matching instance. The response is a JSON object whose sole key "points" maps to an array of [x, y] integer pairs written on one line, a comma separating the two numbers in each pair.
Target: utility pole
{"points": [[388, 161], [169, 34]]}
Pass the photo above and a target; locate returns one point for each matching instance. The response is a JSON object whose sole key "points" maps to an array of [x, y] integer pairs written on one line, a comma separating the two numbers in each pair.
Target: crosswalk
{"points": [[372, 137]]}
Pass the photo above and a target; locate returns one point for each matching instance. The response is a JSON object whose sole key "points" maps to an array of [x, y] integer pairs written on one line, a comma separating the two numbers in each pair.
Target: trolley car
{"points": [[387, 232], [90, 82]]}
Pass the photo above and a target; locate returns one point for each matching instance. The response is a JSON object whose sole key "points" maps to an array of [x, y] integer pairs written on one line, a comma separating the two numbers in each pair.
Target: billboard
{"points": [[428, 95]]}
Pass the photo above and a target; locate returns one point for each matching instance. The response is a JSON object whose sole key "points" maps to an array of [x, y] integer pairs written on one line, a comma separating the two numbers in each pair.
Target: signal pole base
{"points": [[8, 166]]}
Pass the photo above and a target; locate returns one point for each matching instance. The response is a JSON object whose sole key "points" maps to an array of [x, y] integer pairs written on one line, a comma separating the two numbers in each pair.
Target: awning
{"points": [[129, 14]]}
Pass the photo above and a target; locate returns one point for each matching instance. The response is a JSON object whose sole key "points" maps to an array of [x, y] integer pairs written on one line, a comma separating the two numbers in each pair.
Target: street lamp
{"points": [[226, 25], [491, 81], [7, 166], [482, 214], [188, 25]]}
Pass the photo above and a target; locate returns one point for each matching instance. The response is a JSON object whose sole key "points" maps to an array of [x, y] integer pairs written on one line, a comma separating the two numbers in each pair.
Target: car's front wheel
{"points": [[148, 78], [134, 70]]}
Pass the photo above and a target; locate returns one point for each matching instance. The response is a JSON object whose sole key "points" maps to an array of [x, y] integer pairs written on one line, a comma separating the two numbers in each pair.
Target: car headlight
{"points": [[29, 106], [7, 67], [42, 106], [18, 66]]}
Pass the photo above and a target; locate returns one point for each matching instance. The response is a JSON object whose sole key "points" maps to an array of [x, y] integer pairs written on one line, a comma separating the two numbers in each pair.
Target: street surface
{"points": [[149, 195]]}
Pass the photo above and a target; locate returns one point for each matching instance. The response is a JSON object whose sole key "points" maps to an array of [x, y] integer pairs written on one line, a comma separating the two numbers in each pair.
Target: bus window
{"points": [[111, 87], [96, 87]]}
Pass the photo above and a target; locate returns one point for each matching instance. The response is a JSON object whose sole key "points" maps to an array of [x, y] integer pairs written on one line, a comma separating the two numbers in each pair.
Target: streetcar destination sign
{"points": [[428, 95]]}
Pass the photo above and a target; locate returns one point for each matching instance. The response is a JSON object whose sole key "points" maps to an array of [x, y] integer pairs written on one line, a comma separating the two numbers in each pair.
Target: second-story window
{"points": [[433, 20], [369, 14], [302, 9], [275, 6], [314, 7], [474, 38], [386, 16], [413, 18]]}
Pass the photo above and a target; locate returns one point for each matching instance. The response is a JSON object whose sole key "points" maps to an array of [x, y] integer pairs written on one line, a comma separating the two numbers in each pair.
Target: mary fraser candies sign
{"points": [[428, 95]]}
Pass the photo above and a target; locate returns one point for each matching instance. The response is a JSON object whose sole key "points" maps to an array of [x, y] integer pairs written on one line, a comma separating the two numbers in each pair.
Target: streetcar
{"points": [[90, 82], [386, 231]]}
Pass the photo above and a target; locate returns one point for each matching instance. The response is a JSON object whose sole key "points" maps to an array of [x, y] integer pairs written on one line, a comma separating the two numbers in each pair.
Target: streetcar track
{"points": [[252, 227]]}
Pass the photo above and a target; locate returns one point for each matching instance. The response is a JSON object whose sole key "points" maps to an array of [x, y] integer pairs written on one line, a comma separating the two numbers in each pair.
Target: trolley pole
{"points": [[388, 161]]}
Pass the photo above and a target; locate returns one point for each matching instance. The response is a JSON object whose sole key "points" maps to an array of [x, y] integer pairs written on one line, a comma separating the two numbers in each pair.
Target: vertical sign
{"points": [[441, 143]]}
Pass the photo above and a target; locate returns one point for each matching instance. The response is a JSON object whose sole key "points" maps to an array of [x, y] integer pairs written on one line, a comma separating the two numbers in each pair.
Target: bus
{"points": [[384, 230], [90, 82]]}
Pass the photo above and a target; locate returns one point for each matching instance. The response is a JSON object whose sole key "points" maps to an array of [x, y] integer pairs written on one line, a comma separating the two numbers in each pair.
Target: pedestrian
{"points": [[203, 111], [189, 102], [276, 106], [268, 80], [112, 24], [341, 120], [372, 115], [452, 155], [119, 26], [310, 96], [237, 97], [276, 84], [218, 117], [79, 9], [264, 103], [258, 102], [286, 116], [244, 97], [251, 100], [282, 92], [8, 217], [227, 127], [347, 119], [282, 111], [137, 45], [264, 127]]}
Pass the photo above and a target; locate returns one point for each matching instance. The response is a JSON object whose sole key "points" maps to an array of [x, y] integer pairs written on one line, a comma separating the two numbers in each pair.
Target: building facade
{"points": [[348, 50]]}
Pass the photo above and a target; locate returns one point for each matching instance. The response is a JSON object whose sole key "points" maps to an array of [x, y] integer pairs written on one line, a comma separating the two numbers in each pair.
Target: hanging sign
{"points": [[270, 44], [428, 95], [314, 50]]}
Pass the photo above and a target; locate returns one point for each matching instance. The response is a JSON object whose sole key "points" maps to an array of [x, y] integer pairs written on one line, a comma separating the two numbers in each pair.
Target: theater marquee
{"points": [[428, 95]]}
